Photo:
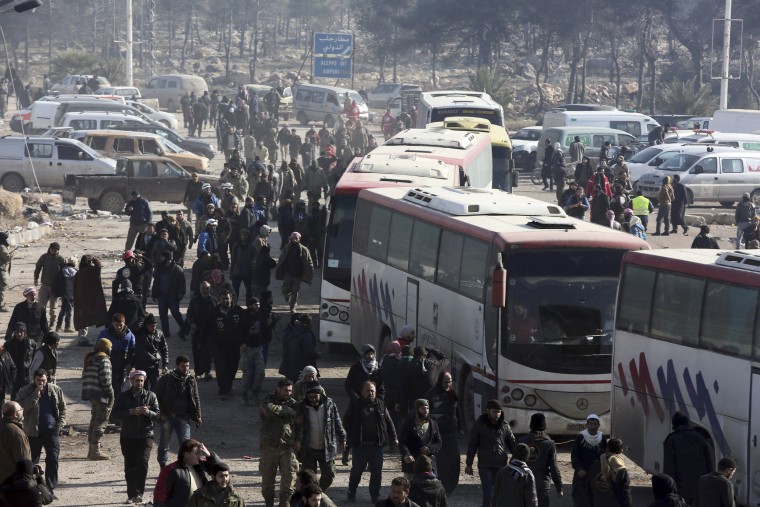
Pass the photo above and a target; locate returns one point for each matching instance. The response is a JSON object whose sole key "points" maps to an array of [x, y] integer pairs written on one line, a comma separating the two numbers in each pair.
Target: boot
{"points": [[95, 454]]}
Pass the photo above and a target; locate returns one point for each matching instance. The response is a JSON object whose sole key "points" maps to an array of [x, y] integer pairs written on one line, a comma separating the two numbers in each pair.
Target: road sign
{"points": [[334, 44], [336, 68]]}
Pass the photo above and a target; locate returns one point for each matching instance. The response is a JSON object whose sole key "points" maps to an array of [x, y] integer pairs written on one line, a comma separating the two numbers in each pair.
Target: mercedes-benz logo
{"points": [[582, 404]]}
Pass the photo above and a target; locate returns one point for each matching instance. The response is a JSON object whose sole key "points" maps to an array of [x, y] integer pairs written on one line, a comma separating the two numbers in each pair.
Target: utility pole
{"points": [[128, 64], [724, 77]]}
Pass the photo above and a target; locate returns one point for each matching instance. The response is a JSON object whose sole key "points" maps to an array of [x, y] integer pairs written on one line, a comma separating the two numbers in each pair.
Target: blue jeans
{"points": [[487, 479], [363, 455], [164, 306], [180, 426], [51, 443]]}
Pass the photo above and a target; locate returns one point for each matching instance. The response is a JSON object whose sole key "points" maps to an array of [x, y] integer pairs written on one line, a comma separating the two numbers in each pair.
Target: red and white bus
{"points": [[430, 157], [537, 336], [687, 338]]}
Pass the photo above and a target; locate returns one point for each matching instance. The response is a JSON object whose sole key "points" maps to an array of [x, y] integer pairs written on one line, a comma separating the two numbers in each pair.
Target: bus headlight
{"points": [[333, 311], [343, 316], [324, 315], [324, 306], [505, 389], [506, 400], [517, 394], [530, 400]]}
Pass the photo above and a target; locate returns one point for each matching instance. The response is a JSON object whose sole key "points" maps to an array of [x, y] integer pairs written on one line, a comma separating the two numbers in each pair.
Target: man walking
{"points": [[30, 313], [492, 439], [21, 350], [138, 410], [745, 210], [366, 446], [48, 265], [687, 457], [6, 256], [399, 495], [716, 488], [577, 150], [14, 444], [320, 435], [179, 403], [98, 390], [589, 445], [542, 459], [169, 289], [140, 213], [123, 349], [225, 330], [278, 439], [293, 267], [515, 484], [198, 310], [419, 436], [45, 416]]}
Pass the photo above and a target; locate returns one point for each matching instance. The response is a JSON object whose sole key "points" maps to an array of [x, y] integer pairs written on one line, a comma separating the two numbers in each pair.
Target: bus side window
{"points": [[422, 260], [675, 295], [728, 318], [377, 247], [635, 300], [473, 273], [399, 248], [449, 258]]}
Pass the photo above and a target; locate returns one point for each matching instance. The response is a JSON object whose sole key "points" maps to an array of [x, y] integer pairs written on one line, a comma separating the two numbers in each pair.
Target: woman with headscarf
{"points": [[89, 300], [444, 411], [665, 494]]}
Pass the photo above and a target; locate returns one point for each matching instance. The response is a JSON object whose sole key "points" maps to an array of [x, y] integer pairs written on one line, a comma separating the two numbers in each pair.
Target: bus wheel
{"points": [[467, 404]]}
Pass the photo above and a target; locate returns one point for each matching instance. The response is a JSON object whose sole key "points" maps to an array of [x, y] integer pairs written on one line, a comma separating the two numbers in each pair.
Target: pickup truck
{"points": [[156, 178]]}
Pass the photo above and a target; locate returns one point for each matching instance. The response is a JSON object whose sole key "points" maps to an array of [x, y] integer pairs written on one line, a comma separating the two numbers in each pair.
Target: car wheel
{"points": [[165, 123], [171, 106], [93, 204], [302, 119], [755, 197], [727, 204], [112, 202], [13, 182], [329, 121]]}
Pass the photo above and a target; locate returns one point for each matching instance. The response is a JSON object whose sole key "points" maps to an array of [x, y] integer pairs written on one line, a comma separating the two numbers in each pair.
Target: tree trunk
{"points": [[228, 46], [582, 94], [542, 67], [383, 60], [433, 62], [651, 66], [188, 29], [255, 38], [172, 28], [749, 58], [572, 80]]}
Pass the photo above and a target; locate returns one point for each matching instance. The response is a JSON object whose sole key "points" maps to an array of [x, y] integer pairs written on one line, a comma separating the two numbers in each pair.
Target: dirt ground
{"points": [[229, 428]]}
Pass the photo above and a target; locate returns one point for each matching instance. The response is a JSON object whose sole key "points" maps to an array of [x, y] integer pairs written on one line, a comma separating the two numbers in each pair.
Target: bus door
{"points": [[754, 440], [412, 303]]}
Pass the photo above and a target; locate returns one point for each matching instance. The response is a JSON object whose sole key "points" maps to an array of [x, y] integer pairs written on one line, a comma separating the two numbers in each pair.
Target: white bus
{"points": [[538, 338], [687, 337], [437, 106], [431, 157]]}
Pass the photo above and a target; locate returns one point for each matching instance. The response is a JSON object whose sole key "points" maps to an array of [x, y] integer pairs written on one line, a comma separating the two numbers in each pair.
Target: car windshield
{"points": [[679, 163], [87, 149], [527, 135], [173, 147], [646, 155]]}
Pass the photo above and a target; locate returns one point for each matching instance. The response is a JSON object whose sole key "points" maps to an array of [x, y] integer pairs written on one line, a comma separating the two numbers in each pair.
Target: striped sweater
{"points": [[96, 380]]}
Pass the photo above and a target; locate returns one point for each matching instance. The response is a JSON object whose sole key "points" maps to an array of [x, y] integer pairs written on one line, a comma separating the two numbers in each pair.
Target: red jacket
{"points": [[592, 182]]}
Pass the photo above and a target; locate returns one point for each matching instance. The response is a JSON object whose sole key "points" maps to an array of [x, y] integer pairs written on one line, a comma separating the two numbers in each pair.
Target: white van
{"points": [[170, 88], [166, 119], [648, 159], [86, 120], [719, 173], [749, 142], [736, 120], [637, 124], [49, 159], [324, 103]]}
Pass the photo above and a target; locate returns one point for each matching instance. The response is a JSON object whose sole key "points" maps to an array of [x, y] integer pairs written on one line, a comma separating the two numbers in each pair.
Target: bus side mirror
{"points": [[697, 170], [499, 289]]}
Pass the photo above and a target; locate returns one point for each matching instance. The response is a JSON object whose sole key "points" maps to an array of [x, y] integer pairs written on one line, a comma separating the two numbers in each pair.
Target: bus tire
{"points": [[467, 397]]}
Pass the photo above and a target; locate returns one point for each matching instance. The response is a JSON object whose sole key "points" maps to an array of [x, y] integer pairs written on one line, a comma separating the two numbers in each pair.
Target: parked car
{"points": [[324, 103], [169, 89], [193, 145], [73, 82], [524, 141], [161, 117], [286, 99], [385, 92], [129, 92], [88, 120], [24, 162], [156, 178]]}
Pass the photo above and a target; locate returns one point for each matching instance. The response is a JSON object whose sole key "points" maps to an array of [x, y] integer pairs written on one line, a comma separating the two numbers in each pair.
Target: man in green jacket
{"points": [[293, 267], [278, 438], [217, 492], [49, 265]]}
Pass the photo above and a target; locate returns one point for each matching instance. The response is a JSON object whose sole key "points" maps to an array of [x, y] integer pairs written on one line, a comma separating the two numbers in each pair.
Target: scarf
{"points": [[591, 441], [369, 365], [517, 468]]}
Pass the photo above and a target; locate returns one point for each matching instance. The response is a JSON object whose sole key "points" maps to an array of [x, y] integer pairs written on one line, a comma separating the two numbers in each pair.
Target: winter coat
{"points": [[444, 410], [128, 304], [33, 316], [582, 456], [7, 371], [167, 388], [136, 426], [173, 483], [242, 259], [307, 271], [492, 442], [356, 378], [22, 353], [176, 287], [299, 351], [29, 401], [122, 348], [49, 264], [687, 457], [410, 443], [335, 434], [278, 427], [204, 497], [353, 422], [96, 379], [715, 490], [427, 491], [141, 212], [542, 460], [25, 491], [514, 486], [262, 271], [14, 446], [150, 349]]}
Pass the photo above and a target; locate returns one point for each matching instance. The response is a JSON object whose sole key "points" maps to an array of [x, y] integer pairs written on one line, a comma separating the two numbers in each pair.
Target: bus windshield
{"points": [[500, 156], [340, 229], [441, 113], [559, 316]]}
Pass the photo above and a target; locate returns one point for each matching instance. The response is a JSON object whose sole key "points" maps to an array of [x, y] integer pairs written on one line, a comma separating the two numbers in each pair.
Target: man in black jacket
{"points": [[198, 310], [492, 439], [542, 459], [174, 485], [30, 313], [363, 370], [224, 330], [180, 404], [138, 410], [127, 303], [425, 489], [419, 436], [151, 350], [687, 457], [367, 447], [21, 350], [399, 496], [169, 289]]}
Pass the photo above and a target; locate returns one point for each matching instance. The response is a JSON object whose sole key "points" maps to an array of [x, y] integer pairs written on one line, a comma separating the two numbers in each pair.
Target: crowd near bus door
{"points": [[754, 440], [412, 292]]}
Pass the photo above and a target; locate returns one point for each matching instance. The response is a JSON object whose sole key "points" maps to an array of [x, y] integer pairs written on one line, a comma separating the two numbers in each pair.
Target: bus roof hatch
{"points": [[461, 201]]}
